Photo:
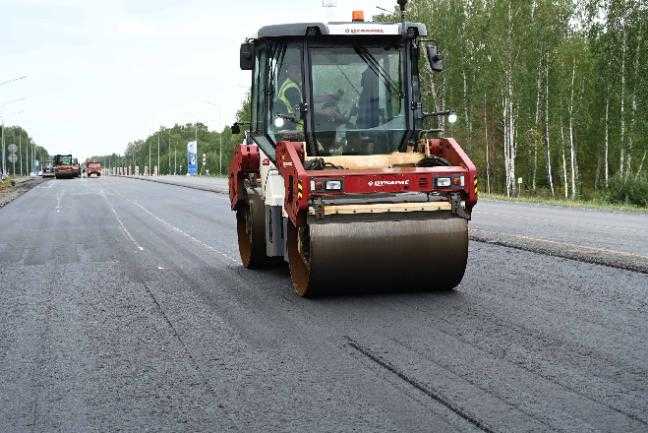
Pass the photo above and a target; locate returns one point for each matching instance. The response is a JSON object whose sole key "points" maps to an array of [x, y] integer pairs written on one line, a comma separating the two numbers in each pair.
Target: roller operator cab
{"points": [[337, 175]]}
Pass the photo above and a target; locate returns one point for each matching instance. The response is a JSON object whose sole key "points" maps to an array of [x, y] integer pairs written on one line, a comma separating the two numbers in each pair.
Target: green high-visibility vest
{"points": [[281, 95]]}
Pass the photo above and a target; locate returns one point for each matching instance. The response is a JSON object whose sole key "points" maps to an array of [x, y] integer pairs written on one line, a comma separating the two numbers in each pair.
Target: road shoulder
{"points": [[12, 192]]}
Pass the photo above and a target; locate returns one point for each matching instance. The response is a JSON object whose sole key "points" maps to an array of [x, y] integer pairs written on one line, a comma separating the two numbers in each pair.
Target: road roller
{"points": [[338, 174]]}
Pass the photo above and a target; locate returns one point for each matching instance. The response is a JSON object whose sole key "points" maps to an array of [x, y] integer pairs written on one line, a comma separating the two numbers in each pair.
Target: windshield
{"points": [[358, 101], [63, 160]]}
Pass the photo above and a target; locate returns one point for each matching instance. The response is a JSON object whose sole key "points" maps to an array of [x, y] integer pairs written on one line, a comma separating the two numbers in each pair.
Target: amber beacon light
{"points": [[358, 16]]}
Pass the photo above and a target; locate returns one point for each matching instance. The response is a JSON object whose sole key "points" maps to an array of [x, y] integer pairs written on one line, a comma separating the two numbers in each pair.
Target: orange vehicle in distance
{"points": [[93, 167]]}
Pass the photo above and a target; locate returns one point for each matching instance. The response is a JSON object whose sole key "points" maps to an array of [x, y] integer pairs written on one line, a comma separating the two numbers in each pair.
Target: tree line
{"points": [[215, 148], [30, 157]]}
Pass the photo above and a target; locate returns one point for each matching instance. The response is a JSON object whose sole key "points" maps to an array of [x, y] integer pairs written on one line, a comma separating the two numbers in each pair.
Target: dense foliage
{"points": [[28, 152]]}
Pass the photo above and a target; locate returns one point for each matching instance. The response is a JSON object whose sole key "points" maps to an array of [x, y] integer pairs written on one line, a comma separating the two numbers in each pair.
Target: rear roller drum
{"points": [[250, 225]]}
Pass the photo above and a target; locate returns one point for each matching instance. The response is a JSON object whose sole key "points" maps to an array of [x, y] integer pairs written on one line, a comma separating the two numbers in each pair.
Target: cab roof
{"points": [[338, 29]]}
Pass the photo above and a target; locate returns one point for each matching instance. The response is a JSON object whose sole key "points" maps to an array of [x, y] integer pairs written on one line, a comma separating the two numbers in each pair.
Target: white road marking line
{"points": [[49, 184], [178, 230], [59, 199], [161, 268], [139, 247]]}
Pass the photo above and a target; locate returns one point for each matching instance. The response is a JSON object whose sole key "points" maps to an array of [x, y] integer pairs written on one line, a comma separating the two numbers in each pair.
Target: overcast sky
{"points": [[103, 73]]}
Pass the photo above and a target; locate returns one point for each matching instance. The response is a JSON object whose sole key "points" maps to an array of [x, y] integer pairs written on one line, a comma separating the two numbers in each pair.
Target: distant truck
{"points": [[93, 167], [64, 167]]}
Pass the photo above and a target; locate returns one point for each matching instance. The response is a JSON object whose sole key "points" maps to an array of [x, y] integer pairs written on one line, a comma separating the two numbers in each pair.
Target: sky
{"points": [[103, 73]]}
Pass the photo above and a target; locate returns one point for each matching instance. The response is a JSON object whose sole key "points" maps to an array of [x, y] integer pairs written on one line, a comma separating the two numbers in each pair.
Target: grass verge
{"points": [[583, 204]]}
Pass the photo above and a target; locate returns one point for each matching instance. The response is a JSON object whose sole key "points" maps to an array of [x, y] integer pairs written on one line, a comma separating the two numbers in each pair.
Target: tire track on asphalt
{"points": [[185, 349], [419, 386], [545, 376], [192, 359]]}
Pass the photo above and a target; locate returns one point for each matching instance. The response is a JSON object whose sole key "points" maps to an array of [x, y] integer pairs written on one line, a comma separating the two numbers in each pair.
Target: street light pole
{"points": [[149, 164], [158, 155], [20, 151], [4, 165]]}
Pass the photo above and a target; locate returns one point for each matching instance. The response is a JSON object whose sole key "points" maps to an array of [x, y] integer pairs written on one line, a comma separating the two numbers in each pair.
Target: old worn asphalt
{"points": [[124, 307]]}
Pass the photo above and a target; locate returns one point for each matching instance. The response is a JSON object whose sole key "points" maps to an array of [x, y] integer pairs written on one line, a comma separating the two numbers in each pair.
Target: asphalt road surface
{"points": [[124, 307]]}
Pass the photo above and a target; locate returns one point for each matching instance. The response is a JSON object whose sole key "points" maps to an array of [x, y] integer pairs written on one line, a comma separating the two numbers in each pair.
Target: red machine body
{"points": [[245, 162], [290, 163]]}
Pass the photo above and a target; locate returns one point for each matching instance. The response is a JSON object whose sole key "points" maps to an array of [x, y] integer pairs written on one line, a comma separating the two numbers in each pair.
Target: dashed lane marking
{"points": [[59, 201], [179, 230], [121, 223]]}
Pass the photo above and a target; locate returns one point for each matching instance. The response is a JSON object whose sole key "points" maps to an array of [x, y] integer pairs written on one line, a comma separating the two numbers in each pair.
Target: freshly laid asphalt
{"points": [[124, 307]]}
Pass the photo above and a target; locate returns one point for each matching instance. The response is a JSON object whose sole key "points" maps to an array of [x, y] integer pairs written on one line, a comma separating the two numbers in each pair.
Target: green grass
{"points": [[579, 203], [5, 183]]}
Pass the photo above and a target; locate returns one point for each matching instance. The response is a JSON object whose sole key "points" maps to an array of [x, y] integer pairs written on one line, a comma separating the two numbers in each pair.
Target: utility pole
{"points": [[220, 143], [197, 161], [22, 173], [4, 165], [158, 156], [149, 164], [175, 159], [27, 172]]}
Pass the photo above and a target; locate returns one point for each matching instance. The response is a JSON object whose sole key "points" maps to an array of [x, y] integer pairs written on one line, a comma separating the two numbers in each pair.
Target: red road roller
{"points": [[338, 176]]}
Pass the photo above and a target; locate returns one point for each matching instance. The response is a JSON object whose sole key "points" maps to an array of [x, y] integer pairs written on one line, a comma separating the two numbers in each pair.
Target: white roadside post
{"points": [[13, 157]]}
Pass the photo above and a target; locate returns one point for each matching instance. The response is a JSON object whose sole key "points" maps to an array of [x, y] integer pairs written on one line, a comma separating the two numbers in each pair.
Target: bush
{"points": [[628, 190]]}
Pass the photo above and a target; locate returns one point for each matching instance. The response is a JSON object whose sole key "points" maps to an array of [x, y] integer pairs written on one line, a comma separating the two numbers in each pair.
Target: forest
{"points": [[552, 95], [170, 144], [27, 152], [552, 98]]}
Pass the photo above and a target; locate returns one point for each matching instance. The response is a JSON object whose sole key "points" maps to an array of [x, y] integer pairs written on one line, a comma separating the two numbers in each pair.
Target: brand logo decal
{"points": [[363, 30], [388, 182]]}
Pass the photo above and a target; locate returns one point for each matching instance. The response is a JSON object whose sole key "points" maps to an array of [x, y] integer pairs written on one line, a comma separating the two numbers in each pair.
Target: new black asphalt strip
{"points": [[124, 307]]}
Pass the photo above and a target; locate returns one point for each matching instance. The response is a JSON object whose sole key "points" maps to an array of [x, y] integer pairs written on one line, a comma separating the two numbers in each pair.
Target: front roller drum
{"points": [[414, 251]]}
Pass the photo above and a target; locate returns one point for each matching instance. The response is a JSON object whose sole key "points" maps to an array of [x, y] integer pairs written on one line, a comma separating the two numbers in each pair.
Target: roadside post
{"points": [[13, 158]]}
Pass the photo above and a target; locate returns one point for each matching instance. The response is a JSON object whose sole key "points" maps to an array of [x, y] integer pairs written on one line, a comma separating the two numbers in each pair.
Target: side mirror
{"points": [[247, 56], [434, 58], [235, 128]]}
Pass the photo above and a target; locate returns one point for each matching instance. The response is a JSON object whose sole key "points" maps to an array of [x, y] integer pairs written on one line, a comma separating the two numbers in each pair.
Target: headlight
{"points": [[326, 185], [333, 185], [443, 182]]}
